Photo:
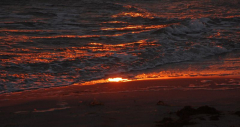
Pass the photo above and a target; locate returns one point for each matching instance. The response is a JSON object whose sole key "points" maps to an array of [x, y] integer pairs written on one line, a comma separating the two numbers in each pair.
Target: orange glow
{"points": [[92, 49], [137, 27], [134, 14], [189, 71], [19, 31], [115, 22], [221, 69], [117, 80], [24, 38]]}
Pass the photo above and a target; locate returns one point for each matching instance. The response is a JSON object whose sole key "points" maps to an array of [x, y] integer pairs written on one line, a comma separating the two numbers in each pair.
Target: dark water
{"points": [[48, 43]]}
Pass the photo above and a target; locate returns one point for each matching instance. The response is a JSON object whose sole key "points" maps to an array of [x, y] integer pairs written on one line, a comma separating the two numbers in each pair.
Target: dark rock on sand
{"points": [[207, 110], [188, 111], [185, 116], [95, 103], [162, 103], [237, 113]]}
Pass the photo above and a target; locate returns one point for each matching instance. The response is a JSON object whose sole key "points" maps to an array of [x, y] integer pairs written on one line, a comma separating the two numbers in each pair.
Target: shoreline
{"points": [[133, 103]]}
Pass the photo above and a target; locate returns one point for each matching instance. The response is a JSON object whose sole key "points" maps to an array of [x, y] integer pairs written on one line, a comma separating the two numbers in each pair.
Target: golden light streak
{"points": [[137, 27], [118, 79], [116, 22], [134, 14], [93, 49]]}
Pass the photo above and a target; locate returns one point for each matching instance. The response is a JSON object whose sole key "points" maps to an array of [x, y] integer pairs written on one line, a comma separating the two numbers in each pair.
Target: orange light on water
{"points": [[134, 14], [136, 27], [117, 80]]}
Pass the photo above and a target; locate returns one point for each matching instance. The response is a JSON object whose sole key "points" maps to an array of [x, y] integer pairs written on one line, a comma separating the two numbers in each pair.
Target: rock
{"points": [[189, 111], [186, 112], [237, 113], [207, 110], [162, 103], [185, 116], [95, 103]]}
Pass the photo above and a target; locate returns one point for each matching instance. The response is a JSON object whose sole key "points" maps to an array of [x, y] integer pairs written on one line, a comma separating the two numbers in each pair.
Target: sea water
{"points": [[48, 43]]}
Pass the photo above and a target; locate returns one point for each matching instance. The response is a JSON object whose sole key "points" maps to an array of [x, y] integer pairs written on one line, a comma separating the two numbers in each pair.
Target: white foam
{"points": [[193, 26]]}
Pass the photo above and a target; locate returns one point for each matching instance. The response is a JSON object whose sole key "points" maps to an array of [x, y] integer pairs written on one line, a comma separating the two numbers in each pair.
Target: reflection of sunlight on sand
{"points": [[117, 80]]}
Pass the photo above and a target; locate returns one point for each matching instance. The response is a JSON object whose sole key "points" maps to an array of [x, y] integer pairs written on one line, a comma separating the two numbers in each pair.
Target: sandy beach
{"points": [[136, 103]]}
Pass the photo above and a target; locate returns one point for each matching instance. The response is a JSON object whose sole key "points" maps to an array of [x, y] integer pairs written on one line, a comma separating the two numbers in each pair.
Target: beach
{"points": [[119, 63], [134, 103]]}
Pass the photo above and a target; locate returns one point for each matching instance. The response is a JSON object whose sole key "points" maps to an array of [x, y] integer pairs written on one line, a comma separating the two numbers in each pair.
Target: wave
{"points": [[64, 48]]}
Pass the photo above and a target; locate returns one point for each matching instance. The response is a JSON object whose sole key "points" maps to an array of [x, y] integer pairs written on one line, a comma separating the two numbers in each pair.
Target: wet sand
{"points": [[134, 103]]}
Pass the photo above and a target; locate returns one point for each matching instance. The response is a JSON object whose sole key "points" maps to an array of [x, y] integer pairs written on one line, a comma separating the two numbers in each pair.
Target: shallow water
{"points": [[56, 43]]}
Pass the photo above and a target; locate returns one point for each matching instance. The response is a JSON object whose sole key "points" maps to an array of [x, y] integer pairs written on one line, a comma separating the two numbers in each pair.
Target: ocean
{"points": [[51, 43]]}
